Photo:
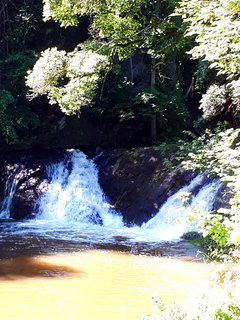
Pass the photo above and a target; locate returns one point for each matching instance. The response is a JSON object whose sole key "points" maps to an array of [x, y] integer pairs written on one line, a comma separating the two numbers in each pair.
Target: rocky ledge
{"points": [[136, 182]]}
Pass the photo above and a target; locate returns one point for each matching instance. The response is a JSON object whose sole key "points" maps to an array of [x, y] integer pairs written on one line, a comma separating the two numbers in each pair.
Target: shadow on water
{"points": [[21, 254], [12, 247], [20, 246], [30, 267]]}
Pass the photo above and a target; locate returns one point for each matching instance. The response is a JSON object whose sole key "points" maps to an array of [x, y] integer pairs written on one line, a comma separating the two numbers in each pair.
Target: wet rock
{"points": [[27, 171], [26, 196], [222, 198], [192, 235], [138, 181]]}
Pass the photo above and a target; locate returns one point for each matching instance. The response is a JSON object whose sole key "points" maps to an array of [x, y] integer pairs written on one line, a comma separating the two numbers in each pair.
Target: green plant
{"points": [[213, 101], [215, 26], [218, 153], [14, 118]]}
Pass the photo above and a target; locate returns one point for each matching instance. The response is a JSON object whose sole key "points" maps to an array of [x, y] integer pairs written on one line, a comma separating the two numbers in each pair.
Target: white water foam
{"points": [[10, 188], [74, 206], [75, 194], [172, 220]]}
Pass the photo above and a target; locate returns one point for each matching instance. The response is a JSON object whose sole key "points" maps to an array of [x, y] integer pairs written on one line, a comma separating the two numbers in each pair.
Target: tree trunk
{"points": [[153, 117], [131, 69]]}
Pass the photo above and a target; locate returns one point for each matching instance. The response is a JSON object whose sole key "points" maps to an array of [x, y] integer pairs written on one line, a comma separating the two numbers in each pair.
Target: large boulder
{"points": [[138, 181], [23, 178]]}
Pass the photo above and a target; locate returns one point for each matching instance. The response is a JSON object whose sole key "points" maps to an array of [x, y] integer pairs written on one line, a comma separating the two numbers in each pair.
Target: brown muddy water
{"points": [[42, 277]]}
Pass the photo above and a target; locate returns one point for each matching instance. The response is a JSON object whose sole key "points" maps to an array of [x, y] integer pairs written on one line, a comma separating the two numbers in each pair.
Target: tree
{"points": [[114, 29], [215, 24], [18, 21], [118, 30]]}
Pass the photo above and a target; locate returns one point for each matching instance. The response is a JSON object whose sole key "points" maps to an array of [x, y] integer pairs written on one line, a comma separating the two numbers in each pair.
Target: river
{"points": [[77, 260], [45, 277]]}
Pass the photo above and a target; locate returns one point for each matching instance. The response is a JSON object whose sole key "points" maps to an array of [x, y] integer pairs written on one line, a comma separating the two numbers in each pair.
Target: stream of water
{"points": [[77, 259]]}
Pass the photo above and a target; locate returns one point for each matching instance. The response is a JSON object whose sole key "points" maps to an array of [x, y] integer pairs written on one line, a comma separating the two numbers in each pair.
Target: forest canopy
{"points": [[174, 63], [122, 28]]}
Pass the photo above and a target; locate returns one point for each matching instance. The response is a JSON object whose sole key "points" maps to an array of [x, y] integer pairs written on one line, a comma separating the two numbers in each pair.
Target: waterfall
{"points": [[74, 199], [10, 188], [172, 220], [74, 193]]}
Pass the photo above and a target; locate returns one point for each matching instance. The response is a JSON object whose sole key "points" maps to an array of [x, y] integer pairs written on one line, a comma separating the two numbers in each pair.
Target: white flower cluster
{"points": [[47, 71], [213, 102], [46, 10], [85, 63], [69, 79]]}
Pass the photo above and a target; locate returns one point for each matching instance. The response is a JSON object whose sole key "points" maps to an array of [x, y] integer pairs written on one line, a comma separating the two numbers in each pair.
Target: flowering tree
{"points": [[81, 69], [117, 28], [71, 79]]}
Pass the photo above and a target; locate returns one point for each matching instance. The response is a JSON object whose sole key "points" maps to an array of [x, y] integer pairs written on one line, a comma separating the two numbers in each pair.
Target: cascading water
{"points": [[75, 194], [172, 221], [74, 207], [10, 188]]}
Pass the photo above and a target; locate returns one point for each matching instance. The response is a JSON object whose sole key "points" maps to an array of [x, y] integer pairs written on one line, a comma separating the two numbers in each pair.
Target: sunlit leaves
{"points": [[47, 71], [218, 153], [213, 102], [216, 27], [67, 12], [68, 79]]}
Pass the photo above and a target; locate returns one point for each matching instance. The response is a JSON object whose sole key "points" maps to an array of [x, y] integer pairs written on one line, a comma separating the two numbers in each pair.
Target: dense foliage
{"points": [[217, 153], [119, 30], [17, 25], [215, 26]]}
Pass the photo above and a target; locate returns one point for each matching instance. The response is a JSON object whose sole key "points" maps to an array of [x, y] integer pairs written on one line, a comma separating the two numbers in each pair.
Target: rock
{"points": [[137, 182], [26, 196], [27, 171], [222, 198], [191, 235]]}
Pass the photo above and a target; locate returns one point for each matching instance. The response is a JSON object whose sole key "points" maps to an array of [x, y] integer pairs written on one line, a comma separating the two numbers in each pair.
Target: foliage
{"points": [[14, 68], [118, 21], [15, 111], [213, 102], [6, 120], [18, 22], [69, 79], [222, 98], [118, 29], [121, 101], [13, 118], [215, 25], [218, 154], [125, 25], [216, 28], [225, 308]]}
